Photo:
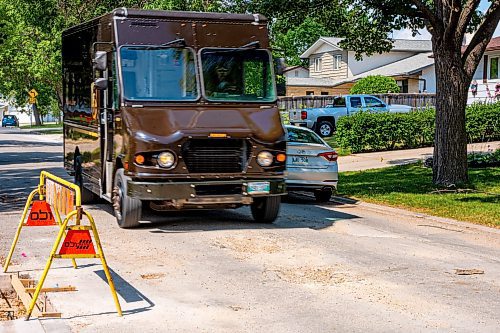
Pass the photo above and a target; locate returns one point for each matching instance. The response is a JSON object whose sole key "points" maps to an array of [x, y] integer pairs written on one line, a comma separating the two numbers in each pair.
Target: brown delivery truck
{"points": [[175, 110]]}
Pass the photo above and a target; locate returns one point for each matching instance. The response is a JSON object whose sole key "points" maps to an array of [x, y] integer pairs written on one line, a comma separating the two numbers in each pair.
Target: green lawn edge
{"points": [[410, 186]]}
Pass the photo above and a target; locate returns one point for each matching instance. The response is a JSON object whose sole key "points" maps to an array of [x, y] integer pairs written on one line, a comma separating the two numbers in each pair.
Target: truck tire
{"points": [[324, 128], [127, 210], [265, 210]]}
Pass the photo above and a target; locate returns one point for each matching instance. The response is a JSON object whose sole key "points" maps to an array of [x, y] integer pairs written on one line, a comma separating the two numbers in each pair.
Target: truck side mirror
{"points": [[279, 65], [101, 60], [101, 84]]}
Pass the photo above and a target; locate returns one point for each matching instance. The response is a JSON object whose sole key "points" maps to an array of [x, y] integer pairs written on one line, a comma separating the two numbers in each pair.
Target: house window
{"points": [[324, 93], [494, 68], [296, 72], [318, 66], [403, 86], [337, 61], [309, 92]]}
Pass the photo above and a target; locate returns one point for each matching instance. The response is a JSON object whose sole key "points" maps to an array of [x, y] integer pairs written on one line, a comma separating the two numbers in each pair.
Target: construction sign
{"points": [[64, 198], [77, 242], [40, 215], [33, 93]]}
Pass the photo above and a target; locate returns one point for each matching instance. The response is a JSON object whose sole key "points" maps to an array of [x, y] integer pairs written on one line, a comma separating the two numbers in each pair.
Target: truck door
{"points": [[106, 120], [355, 104], [374, 104]]}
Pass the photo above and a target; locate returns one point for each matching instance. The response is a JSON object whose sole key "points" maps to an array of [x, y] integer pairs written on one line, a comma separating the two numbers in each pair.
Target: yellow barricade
{"points": [[65, 198]]}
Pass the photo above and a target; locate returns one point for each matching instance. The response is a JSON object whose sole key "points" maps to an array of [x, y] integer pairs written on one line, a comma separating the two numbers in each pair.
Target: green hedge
{"points": [[370, 131]]}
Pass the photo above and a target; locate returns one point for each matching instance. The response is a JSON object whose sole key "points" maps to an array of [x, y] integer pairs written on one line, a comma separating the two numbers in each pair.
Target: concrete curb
{"points": [[388, 210]]}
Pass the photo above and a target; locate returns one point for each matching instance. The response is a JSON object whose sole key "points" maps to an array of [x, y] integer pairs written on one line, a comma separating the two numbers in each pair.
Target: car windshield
{"points": [[158, 73], [237, 75], [10, 117], [302, 136]]}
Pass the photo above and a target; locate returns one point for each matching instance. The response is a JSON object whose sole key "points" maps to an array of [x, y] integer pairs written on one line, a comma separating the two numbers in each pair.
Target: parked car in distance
{"points": [[10, 120], [311, 163], [323, 120]]}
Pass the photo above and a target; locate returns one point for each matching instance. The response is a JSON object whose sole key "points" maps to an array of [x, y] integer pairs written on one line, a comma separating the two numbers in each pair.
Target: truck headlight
{"points": [[166, 159], [265, 158]]}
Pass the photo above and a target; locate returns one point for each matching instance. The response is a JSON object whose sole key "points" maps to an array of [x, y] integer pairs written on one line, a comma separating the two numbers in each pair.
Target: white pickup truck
{"points": [[323, 120]]}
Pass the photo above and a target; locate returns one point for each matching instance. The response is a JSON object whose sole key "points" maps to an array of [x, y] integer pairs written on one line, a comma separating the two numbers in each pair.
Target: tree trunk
{"points": [[36, 114], [450, 146]]}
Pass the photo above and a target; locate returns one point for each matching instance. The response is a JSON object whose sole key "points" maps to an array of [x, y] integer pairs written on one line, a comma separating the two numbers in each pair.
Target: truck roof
{"points": [[171, 15]]}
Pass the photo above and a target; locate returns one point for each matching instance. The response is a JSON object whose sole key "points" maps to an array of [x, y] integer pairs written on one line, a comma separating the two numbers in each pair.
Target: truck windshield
{"points": [[237, 75], [158, 73]]}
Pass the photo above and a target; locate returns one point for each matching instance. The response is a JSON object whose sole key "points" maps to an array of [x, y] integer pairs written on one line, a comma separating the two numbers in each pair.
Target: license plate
{"points": [[299, 160], [258, 187]]}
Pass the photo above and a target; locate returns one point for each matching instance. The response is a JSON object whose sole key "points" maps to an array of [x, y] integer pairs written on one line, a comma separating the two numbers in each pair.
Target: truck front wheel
{"points": [[127, 210], [265, 210], [324, 128]]}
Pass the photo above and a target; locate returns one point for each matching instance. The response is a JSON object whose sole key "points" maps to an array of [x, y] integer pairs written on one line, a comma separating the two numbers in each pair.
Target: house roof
{"points": [[407, 66], [494, 44], [291, 68], [399, 45]]}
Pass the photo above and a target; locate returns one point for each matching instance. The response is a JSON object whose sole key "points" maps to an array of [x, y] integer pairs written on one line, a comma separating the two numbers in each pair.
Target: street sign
{"points": [[33, 93], [32, 100]]}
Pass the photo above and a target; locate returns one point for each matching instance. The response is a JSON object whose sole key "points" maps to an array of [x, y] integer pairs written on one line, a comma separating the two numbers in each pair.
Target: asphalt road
{"points": [[328, 268]]}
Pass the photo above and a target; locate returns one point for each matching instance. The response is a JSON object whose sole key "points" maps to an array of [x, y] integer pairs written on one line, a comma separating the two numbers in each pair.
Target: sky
{"points": [[424, 34]]}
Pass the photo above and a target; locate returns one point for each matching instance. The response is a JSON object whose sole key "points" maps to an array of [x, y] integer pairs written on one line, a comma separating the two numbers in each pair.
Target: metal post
{"points": [[49, 263], [19, 227], [104, 264]]}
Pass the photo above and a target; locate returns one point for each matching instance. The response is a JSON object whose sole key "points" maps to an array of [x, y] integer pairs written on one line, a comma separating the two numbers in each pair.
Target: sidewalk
{"points": [[365, 161]]}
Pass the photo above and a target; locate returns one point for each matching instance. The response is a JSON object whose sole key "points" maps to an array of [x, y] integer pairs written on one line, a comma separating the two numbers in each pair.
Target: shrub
{"points": [[375, 131], [375, 84]]}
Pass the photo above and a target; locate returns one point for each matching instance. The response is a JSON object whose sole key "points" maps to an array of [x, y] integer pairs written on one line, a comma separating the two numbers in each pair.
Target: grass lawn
{"points": [[410, 187], [341, 151]]}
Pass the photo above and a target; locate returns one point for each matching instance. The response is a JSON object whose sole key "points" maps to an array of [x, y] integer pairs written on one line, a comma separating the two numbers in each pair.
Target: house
{"points": [[487, 74], [334, 70], [296, 71]]}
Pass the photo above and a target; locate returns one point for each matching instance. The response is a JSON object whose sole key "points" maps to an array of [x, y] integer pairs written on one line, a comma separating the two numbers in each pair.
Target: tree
{"points": [[365, 26], [375, 84]]}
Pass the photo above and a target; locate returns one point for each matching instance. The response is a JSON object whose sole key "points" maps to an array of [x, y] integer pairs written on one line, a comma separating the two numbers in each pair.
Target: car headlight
{"points": [[265, 158], [166, 159]]}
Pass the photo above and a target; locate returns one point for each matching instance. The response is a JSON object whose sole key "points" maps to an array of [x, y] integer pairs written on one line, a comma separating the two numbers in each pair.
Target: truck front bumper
{"points": [[216, 192]]}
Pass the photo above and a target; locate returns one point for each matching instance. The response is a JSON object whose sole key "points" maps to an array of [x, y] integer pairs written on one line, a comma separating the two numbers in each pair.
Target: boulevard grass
{"points": [[410, 187]]}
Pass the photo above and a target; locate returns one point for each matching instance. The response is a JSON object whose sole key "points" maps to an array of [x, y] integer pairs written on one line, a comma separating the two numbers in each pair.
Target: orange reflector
{"points": [[281, 157], [77, 242], [40, 215], [139, 159], [218, 135]]}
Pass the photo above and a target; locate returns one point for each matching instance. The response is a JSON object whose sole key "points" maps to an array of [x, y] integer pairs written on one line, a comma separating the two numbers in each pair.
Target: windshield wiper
{"points": [[175, 41], [251, 45]]}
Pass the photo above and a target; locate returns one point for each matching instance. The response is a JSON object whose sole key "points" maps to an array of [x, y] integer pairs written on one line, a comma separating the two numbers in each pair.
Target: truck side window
{"points": [[356, 102], [339, 101], [372, 102]]}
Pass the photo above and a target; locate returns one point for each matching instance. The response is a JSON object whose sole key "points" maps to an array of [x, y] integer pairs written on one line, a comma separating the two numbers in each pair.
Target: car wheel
{"points": [[265, 210], [324, 128], [323, 196], [127, 210]]}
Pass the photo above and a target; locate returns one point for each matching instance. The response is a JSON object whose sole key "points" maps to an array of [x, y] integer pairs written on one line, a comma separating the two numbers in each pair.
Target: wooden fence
{"points": [[300, 102]]}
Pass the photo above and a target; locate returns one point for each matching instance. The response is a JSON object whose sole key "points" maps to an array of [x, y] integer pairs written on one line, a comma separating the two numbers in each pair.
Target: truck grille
{"points": [[216, 155]]}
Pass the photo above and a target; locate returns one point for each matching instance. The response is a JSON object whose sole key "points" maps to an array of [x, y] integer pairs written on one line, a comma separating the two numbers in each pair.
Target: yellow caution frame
{"points": [[77, 213]]}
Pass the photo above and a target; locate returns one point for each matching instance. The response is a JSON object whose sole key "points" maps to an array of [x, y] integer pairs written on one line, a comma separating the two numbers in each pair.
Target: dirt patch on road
{"points": [[152, 276], [257, 244], [324, 275]]}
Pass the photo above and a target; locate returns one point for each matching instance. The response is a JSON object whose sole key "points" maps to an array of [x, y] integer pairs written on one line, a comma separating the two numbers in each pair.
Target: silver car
{"points": [[311, 163]]}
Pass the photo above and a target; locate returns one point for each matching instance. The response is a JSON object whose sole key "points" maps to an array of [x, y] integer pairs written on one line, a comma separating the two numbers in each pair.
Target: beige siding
{"points": [[328, 70], [342, 89]]}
